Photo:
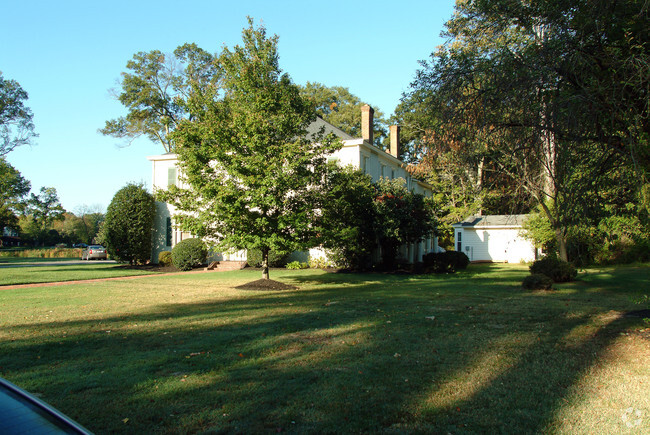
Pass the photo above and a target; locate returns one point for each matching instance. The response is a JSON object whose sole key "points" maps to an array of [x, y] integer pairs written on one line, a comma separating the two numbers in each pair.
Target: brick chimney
{"points": [[367, 114], [394, 141]]}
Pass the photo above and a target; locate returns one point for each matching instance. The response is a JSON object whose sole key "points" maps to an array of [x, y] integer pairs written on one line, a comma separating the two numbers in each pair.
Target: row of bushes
{"points": [[190, 253], [43, 253], [444, 262], [546, 271]]}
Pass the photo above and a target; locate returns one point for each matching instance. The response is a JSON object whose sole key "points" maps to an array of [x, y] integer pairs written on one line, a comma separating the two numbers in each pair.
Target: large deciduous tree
{"points": [[250, 170], [44, 209], [16, 119], [13, 188], [90, 220], [155, 90], [556, 93]]}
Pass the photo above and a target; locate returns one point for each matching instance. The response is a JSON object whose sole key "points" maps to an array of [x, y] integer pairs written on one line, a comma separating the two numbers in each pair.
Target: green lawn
{"points": [[369, 353], [39, 274]]}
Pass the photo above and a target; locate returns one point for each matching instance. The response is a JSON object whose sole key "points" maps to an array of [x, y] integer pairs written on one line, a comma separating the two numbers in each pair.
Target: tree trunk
{"points": [[561, 243], [560, 231], [265, 263]]}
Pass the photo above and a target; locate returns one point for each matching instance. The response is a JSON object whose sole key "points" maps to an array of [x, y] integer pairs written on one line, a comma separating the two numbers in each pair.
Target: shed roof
{"points": [[501, 220]]}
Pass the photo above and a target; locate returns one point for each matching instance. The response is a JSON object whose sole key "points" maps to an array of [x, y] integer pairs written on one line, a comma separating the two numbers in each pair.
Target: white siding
{"points": [[348, 156], [355, 152], [495, 244]]}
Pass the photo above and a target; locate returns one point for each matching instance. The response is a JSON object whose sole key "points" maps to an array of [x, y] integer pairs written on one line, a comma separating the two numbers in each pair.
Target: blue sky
{"points": [[68, 54]]}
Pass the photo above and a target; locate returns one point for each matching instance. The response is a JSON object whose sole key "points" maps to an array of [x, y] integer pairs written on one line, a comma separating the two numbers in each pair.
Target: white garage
{"points": [[493, 238]]}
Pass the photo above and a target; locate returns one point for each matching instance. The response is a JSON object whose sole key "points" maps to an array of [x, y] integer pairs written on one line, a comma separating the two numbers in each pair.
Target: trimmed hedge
{"points": [[445, 262], [556, 269], [254, 258], [537, 281], [127, 229], [189, 253]]}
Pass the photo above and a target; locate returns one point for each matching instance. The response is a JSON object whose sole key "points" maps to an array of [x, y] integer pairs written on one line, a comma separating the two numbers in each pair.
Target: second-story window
{"points": [[171, 177]]}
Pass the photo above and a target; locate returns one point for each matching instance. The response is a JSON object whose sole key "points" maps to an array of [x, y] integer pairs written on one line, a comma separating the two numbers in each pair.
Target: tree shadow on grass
{"points": [[397, 354]]}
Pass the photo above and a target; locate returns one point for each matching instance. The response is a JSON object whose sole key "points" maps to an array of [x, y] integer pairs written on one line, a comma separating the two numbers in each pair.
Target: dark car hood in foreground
{"points": [[22, 413]]}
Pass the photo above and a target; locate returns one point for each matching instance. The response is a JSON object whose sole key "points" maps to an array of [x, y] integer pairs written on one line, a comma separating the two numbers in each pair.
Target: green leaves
{"points": [[156, 89], [342, 109], [544, 100], [127, 228], [45, 207], [16, 126], [358, 216], [402, 217], [249, 168]]}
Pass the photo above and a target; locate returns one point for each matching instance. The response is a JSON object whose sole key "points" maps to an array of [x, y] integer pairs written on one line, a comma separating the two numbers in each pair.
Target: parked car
{"points": [[94, 252], [22, 413], [80, 245]]}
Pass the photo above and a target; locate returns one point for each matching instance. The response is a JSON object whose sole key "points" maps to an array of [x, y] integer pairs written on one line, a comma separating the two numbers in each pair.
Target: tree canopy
{"points": [[338, 106], [13, 188], [551, 95], [45, 207], [249, 169], [42, 210], [155, 91], [16, 119], [357, 216]]}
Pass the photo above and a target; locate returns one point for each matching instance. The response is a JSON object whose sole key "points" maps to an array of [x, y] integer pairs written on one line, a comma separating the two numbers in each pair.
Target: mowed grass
{"points": [[345, 353], [28, 273]]}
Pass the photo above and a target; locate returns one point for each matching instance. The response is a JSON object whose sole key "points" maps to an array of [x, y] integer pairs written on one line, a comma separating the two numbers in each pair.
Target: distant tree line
{"points": [[39, 219]]}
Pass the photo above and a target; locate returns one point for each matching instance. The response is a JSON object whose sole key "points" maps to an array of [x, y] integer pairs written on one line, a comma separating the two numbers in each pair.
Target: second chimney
{"points": [[367, 114], [394, 140]]}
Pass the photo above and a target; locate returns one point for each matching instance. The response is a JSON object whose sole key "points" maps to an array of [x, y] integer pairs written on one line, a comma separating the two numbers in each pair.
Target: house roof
{"points": [[492, 221], [315, 127]]}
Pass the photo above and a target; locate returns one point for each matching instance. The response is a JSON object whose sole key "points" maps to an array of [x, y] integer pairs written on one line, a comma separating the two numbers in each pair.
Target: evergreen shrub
{"points": [[556, 269], [128, 226], [445, 262], [537, 281], [189, 253]]}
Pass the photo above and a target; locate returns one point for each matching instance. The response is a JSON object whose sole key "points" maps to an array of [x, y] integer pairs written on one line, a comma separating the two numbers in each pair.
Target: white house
{"points": [[494, 238], [358, 152]]}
